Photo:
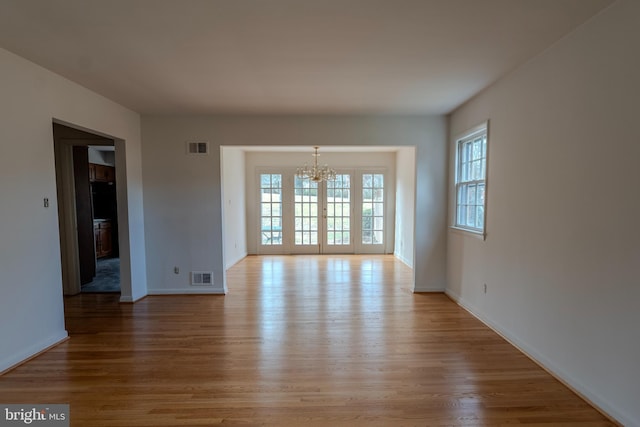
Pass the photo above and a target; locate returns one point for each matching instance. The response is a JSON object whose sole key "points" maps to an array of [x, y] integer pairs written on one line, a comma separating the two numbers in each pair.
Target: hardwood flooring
{"points": [[298, 341]]}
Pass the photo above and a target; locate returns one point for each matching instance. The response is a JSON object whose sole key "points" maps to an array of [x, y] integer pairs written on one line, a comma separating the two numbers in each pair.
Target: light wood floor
{"points": [[298, 341]]}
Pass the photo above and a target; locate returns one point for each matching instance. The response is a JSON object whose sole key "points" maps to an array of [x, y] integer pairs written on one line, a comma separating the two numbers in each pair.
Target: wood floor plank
{"points": [[298, 341]]}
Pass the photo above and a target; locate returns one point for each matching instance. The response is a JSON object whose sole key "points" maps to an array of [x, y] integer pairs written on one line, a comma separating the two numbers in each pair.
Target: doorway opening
{"points": [[87, 211]]}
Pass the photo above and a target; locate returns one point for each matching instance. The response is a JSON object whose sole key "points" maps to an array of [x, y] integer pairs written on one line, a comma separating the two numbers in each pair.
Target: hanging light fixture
{"points": [[316, 173]]}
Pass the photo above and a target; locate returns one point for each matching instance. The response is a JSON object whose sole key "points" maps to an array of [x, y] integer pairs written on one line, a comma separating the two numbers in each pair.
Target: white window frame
{"points": [[460, 181]]}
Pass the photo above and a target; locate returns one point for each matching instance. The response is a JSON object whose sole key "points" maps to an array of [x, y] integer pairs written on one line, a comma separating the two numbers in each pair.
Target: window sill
{"points": [[471, 233]]}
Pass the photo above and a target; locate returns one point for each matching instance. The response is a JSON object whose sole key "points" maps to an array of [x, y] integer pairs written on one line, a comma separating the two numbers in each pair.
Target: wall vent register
{"points": [[201, 278], [198, 147]]}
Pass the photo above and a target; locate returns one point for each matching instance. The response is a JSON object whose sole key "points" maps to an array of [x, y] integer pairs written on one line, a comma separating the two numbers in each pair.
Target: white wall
{"points": [[182, 194], [31, 306], [405, 202], [562, 256], [234, 199]]}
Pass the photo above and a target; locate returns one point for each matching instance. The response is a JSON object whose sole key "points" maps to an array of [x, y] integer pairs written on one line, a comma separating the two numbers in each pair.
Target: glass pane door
{"points": [[306, 216], [372, 211], [271, 209], [337, 215]]}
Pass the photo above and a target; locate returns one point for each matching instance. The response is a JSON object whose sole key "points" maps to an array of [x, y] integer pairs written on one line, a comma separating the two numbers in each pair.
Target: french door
{"points": [[322, 216], [299, 216], [337, 215]]}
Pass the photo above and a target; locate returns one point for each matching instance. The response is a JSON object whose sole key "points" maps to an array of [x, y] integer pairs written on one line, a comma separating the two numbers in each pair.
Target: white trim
{"points": [[234, 261], [468, 232], [183, 291], [573, 384], [32, 351], [472, 131], [404, 260], [438, 290], [129, 298]]}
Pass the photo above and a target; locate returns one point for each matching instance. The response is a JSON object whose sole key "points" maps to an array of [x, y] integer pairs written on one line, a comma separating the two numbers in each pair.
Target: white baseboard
{"points": [[233, 262], [428, 290], [32, 351], [185, 291], [130, 299], [599, 404], [403, 259]]}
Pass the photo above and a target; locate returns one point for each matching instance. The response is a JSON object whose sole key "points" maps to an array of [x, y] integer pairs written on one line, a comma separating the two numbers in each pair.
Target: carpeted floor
{"points": [[107, 277]]}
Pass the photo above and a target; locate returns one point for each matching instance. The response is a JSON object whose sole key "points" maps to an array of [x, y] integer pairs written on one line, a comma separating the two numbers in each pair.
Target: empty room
{"points": [[322, 213]]}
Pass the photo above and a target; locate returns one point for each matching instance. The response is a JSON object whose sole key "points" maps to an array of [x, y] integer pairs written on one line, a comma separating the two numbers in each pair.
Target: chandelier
{"points": [[316, 173]]}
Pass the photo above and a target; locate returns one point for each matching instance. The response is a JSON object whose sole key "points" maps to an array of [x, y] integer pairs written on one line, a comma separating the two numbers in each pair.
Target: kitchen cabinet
{"points": [[102, 235], [101, 173]]}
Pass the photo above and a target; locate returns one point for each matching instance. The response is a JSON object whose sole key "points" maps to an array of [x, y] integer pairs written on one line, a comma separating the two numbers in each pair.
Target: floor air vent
{"points": [[202, 278]]}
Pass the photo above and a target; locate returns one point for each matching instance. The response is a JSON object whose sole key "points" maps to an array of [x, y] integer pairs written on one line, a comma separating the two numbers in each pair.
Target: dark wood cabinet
{"points": [[102, 235], [101, 173]]}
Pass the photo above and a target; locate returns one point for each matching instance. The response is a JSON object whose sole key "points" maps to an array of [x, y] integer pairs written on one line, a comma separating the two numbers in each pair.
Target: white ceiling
{"points": [[287, 56]]}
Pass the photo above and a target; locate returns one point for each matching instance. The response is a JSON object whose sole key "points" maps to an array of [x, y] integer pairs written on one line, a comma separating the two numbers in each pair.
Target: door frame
{"points": [[67, 213]]}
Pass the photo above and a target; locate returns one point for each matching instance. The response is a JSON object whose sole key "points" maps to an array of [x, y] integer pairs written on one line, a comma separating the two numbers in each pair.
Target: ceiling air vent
{"points": [[202, 278], [197, 147]]}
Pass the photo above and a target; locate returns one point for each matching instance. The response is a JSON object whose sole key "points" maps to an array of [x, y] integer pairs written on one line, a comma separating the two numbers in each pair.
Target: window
{"points": [[471, 172]]}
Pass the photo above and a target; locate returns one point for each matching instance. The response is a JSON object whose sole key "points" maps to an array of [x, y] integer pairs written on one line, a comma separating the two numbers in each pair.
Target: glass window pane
{"points": [[477, 148], [479, 216], [471, 195], [471, 216], [367, 223], [367, 209]]}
